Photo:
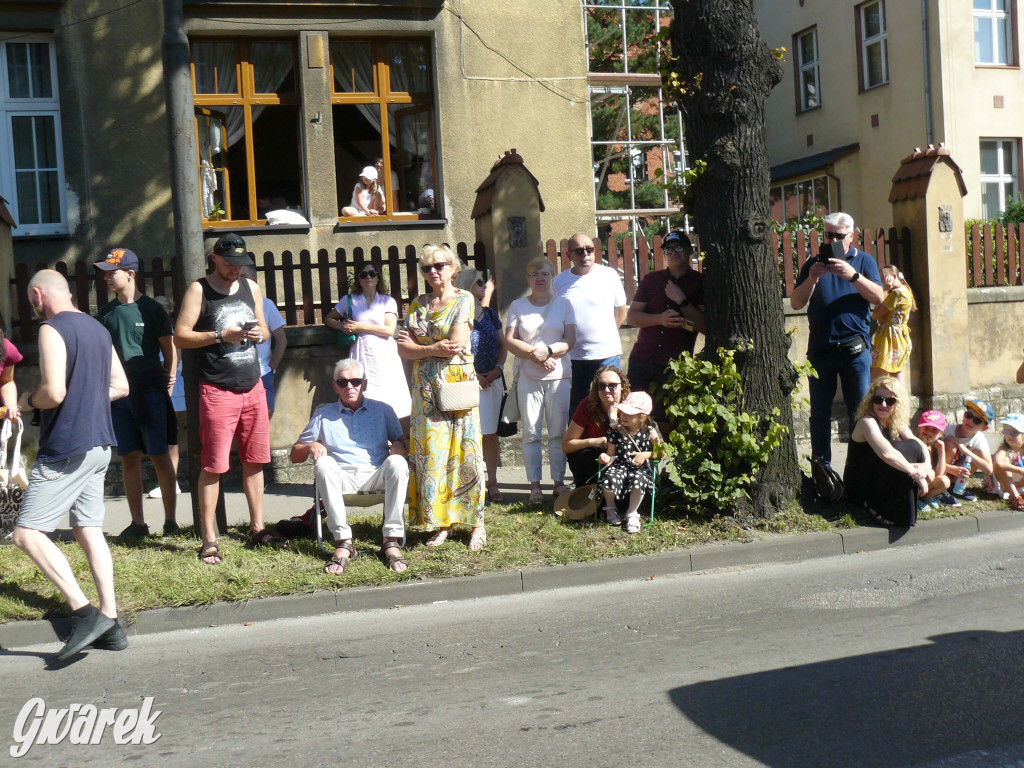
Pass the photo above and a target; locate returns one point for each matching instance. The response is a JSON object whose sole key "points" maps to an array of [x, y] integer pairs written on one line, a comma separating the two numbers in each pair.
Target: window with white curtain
{"points": [[247, 125], [992, 32], [998, 175], [31, 154], [873, 44], [383, 108], [807, 61]]}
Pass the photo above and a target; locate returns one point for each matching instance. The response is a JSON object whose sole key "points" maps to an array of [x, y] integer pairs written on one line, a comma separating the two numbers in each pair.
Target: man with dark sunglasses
{"points": [[838, 294], [668, 308], [222, 320], [357, 444], [599, 303]]}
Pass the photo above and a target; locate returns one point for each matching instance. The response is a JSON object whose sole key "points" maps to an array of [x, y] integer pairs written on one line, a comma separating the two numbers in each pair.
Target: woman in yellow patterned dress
{"points": [[446, 478], [890, 348]]}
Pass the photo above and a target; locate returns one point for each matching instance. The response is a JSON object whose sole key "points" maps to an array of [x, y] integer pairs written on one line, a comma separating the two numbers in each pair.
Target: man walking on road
{"points": [[838, 294], [222, 319], [141, 331], [599, 303], [79, 377]]}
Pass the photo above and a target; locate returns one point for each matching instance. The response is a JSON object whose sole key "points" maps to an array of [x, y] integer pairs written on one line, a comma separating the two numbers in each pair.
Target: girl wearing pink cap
{"points": [[930, 428], [627, 458]]}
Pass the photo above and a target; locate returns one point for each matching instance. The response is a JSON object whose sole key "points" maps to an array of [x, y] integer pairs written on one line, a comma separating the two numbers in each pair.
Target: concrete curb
{"points": [[726, 555]]}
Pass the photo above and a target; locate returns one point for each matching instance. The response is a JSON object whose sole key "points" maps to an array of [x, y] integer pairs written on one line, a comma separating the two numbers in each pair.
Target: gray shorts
{"points": [[73, 485]]}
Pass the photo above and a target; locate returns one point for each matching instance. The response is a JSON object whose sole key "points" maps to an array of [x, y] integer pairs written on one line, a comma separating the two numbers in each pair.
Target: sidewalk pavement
{"points": [[282, 501]]}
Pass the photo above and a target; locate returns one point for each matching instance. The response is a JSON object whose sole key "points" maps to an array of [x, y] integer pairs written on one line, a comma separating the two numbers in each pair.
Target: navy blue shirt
{"points": [[82, 422], [836, 311]]}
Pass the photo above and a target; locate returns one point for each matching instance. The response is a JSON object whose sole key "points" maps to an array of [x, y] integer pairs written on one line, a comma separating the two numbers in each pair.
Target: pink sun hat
{"points": [[637, 402], [932, 419]]}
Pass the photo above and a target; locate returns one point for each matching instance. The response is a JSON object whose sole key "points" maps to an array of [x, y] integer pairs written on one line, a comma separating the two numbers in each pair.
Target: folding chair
{"points": [[368, 499]]}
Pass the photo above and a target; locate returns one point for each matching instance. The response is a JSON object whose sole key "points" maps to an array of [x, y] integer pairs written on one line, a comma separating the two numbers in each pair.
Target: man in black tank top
{"points": [[222, 319], [79, 370]]}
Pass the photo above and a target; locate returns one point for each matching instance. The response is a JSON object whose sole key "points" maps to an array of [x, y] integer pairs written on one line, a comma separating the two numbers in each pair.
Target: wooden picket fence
{"points": [[885, 246], [994, 254]]}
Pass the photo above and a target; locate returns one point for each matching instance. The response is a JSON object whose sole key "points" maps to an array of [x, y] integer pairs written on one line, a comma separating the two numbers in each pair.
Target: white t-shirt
{"points": [[274, 321], [526, 318], [978, 443], [594, 297]]}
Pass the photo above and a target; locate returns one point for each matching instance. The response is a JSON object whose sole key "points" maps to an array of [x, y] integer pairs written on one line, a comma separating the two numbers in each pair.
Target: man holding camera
{"points": [[838, 287], [222, 319]]}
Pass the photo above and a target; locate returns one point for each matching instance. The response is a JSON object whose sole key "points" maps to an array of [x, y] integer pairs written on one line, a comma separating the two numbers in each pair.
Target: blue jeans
{"points": [[583, 376], [855, 375]]}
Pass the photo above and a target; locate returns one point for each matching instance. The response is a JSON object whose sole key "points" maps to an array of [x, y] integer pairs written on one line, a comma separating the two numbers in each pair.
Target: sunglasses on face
{"points": [[887, 401], [342, 383], [609, 385], [583, 249], [674, 249], [367, 273], [1010, 432], [975, 418], [437, 266], [835, 235]]}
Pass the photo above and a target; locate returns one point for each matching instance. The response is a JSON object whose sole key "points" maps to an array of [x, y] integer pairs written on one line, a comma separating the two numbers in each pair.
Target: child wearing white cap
{"points": [[1008, 461], [627, 459], [362, 195]]}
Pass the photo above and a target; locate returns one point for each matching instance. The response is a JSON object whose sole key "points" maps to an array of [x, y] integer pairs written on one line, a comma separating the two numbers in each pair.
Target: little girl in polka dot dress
{"points": [[627, 459]]}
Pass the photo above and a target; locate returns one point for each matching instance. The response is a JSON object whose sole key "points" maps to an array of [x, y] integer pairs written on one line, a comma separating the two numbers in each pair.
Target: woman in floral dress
{"points": [[890, 347], [446, 479]]}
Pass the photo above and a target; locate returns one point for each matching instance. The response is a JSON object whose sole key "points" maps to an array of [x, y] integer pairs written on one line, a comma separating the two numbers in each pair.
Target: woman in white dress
{"points": [[373, 321]]}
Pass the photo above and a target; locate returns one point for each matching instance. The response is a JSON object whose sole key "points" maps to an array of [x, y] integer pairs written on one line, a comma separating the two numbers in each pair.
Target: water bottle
{"points": [[961, 482]]}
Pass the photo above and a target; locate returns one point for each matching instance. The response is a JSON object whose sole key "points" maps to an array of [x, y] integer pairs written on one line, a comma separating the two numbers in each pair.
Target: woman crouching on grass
{"points": [[886, 467]]}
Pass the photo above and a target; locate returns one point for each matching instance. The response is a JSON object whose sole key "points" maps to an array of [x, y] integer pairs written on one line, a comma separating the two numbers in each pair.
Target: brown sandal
{"points": [[391, 560], [210, 549], [342, 562]]}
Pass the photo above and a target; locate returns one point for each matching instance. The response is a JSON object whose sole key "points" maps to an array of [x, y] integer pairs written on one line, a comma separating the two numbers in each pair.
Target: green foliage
{"points": [[810, 220], [1014, 213], [715, 449]]}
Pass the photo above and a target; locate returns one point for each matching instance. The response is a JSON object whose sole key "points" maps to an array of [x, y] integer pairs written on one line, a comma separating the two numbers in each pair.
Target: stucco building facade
{"points": [[866, 82], [292, 100]]}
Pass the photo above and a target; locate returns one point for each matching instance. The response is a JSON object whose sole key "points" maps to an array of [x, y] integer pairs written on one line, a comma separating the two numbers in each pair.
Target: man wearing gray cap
{"points": [[222, 319]]}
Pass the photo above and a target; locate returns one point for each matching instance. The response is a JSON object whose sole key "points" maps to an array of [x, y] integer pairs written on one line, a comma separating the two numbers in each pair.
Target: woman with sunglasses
{"points": [[541, 332], [886, 467], [373, 321], [489, 353], [584, 438], [445, 454]]}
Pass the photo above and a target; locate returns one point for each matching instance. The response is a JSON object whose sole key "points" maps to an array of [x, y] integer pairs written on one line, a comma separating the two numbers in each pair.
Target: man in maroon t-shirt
{"points": [[668, 308]]}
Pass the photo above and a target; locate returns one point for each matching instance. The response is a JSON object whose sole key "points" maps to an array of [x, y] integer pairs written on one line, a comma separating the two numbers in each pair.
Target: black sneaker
{"points": [[134, 531], [171, 528], [88, 624], [114, 639], [966, 496], [948, 499]]}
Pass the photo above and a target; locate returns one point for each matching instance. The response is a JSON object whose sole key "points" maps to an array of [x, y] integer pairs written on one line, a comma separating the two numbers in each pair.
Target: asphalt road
{"points": [[910, 656]]}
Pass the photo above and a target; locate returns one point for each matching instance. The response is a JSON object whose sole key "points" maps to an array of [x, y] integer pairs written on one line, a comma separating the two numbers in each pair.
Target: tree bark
{"points": [[727, 73]]}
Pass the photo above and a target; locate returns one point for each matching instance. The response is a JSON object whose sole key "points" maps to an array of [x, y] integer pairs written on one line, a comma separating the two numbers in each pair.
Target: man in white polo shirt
{"points": [[599, 303]]}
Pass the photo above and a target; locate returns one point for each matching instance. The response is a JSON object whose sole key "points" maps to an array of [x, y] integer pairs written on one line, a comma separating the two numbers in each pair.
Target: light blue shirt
{"points": [[354, 438]]}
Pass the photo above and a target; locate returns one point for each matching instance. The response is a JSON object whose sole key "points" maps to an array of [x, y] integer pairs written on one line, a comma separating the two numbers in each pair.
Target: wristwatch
{"points": [[550, 353], [855, 278]]}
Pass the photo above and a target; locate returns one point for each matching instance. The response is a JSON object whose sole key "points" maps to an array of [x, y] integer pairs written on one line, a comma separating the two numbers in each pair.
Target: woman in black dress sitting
{"points": [[886, 466]]}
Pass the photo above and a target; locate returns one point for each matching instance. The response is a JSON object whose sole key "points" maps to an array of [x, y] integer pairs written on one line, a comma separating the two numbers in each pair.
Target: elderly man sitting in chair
{"points": [[357, 444]]}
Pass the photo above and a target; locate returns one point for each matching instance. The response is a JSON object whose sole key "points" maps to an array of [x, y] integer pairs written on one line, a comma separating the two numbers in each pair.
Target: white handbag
{"points": [[13, 480], [462, 395]]}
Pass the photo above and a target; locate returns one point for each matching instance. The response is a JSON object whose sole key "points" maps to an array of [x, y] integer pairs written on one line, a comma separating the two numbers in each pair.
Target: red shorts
{"points": [[225, 415]]}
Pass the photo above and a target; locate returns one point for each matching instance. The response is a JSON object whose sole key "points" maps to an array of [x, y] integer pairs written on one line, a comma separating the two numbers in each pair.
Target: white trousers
{"points": [[544, 401], [334, 480]]}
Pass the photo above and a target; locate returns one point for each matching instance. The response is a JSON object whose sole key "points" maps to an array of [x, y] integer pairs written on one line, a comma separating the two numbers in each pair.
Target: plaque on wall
{"points": [[517, 232], [945, 218]]}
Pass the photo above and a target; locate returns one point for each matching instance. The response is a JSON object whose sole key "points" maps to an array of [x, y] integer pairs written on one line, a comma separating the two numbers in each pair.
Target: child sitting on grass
{"points": [[627, 459], [929, 429], [1008, 462], [965, 440]]}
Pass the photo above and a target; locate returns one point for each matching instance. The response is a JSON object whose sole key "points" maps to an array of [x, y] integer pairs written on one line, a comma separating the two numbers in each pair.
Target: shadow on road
{"points": [[962, 692]]}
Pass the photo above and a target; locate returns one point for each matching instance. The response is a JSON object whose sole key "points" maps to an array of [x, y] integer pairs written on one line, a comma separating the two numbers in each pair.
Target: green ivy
{"points": [[715, 449]]}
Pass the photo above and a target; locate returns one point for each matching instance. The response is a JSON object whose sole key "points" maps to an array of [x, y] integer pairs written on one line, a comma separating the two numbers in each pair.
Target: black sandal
{"points": [[877, 517], [210, 549], [391, 560], [264, 538], [342, 562]]}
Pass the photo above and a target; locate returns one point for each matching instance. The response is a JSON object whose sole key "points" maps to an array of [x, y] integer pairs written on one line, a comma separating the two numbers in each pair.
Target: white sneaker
{"points": [[155, 493]]}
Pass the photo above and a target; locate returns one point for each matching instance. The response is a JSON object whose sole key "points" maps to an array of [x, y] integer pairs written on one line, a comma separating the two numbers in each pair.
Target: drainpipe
{"points": [[927, 74]]}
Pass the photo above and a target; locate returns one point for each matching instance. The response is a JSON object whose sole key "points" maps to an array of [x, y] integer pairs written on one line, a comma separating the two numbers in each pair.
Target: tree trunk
{"points": [[726, 73]]}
